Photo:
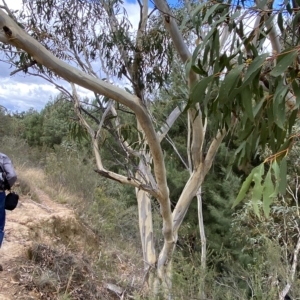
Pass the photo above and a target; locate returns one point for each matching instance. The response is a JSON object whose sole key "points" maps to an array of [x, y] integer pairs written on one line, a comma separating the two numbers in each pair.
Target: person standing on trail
{"points": [[8, 178]]}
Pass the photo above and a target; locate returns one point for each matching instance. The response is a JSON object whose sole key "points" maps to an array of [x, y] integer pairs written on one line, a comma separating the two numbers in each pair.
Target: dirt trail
{"points": [[20, 225]]}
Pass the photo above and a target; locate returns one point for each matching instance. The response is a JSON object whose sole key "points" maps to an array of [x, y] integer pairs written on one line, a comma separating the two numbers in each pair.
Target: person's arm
{"points": [[11, 175]]}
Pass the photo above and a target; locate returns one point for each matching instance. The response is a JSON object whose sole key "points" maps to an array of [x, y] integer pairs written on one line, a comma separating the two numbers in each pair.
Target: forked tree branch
{"points": [[101, 170], [17, 37], [195, 181]]}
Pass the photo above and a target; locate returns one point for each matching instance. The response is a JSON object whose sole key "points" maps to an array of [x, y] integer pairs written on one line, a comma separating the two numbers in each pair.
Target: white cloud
{"points": [[14, 4], [22, 96], [133, 11], [20, 93], [19, 96]]}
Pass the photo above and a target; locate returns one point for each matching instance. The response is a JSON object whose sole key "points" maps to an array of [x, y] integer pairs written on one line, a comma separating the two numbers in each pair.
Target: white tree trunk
{"points": [[201, 230], [203, 243]]}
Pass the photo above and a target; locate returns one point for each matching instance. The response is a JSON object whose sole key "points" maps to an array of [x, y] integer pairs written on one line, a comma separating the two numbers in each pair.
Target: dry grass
{"points": [[111, 257], [29, 179], [54, 273]]}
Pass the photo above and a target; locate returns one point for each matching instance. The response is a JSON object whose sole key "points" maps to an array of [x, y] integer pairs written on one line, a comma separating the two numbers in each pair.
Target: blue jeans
{"points": [[2, 216]]}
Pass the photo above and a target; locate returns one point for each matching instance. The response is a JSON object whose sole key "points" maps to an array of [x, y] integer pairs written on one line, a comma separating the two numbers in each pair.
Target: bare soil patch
{"points": [[38, 257]]}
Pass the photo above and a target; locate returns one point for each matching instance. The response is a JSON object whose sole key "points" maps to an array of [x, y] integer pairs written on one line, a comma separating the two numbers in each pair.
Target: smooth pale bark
{"points": [[201, 230], [203, 242], [146, 229], [198, 168], [146, 224], [169, 123], [144, 174], [164, 260]]}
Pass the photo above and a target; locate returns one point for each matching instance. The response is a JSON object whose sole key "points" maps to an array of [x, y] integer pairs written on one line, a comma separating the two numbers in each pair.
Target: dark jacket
{"points": [[10, 174]]}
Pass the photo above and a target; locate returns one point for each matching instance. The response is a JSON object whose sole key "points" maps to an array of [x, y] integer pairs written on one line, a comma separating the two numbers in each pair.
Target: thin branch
{"points": [[101, 170], [59, 87], [89, 114], [24, 68], [177, 152], [107, 110], [153, 10]]}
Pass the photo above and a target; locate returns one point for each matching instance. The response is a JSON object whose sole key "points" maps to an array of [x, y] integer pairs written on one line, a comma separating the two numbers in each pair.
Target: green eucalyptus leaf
{"points": [[244, 189], [276, 170], [279, 105], [251, 72], [247, 102], [264, 134], [205, 55], [210, 12], [296, 90], [198, 70], [197, 9], [284, 61], [255, 67], [255, 176], [283, 174], [241, 146], [257, 107], [280, 22], [199, 65], [258, 188], [188, 67], [292, 119], [229, 82], [268, 193], [196, 52], [199, 89]]}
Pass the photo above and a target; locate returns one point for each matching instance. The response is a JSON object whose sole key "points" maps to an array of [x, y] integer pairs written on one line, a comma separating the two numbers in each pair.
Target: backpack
{"points": [[3, 181], [12, 198]]}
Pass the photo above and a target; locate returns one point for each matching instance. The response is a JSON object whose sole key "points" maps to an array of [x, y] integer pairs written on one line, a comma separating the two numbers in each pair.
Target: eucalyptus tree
{"points": [[231, 83]]}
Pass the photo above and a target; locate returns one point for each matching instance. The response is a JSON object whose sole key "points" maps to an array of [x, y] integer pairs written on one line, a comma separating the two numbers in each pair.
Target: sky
{"points": [[21, 92]]}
